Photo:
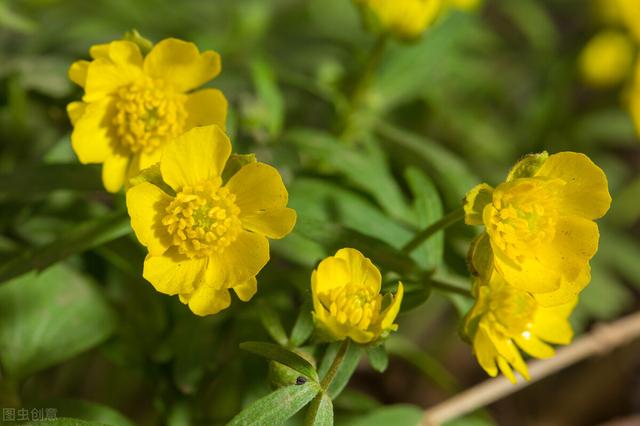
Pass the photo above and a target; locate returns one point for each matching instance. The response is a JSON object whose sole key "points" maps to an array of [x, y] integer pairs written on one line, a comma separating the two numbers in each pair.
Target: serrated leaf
{"points": [[48, 318], [278, 406], [378, 358], [83, 237], [283, 356], [323, 415]]}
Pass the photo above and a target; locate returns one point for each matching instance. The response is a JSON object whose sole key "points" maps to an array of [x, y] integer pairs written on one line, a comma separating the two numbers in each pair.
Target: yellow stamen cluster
{"points": [[149, 112], [353, 305], [523, 215], [511, 310], [203, 219]]}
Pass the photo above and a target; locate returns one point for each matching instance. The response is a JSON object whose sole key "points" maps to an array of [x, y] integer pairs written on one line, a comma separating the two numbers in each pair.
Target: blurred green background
{"points": [[90, 337]]}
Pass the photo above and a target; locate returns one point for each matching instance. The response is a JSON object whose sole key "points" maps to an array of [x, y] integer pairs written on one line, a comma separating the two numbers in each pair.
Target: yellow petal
{"points": [[485, 351], [258, 186], [551, 324], [505, 369], [530, 274], [607, 58], [104, 78], [197, 156], [78, 72], [586, 190], [273, 223], [534, 346], [204, 107], [181, 64], [247, 289], [99, 51], [114, 172], [475, 202], [92, 138], [208, 301], [75, 111], [390, 314], [566, 292], [146, 204], [173, 273], [245, 257], [361, 268], [331, 273]]}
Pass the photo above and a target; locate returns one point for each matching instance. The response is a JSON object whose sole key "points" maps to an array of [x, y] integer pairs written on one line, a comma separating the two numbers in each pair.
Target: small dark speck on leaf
{"points": [[301, 380]]}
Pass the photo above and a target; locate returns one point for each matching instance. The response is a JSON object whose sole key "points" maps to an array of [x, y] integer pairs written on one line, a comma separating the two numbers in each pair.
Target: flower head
{"points": [[347, 301], [607, 59], [133, 105], [405, 19], [505, 320], [540, 222], [204, 235]]}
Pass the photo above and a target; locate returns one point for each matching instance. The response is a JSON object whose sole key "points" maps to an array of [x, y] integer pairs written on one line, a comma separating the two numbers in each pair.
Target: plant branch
{"points": [[446, 221], [450, 288], [601, 340]]}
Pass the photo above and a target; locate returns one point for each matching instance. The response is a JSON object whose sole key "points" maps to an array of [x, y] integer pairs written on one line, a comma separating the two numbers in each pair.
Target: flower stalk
{"points": [[446, 221]]}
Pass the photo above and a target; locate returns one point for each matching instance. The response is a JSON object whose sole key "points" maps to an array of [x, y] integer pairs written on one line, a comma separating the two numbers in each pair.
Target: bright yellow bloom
{"points": [[505, 319], [630, 14], [347, 301], [607, 59], [133, 105], [205, 235], [540, 222], [405, 19]]}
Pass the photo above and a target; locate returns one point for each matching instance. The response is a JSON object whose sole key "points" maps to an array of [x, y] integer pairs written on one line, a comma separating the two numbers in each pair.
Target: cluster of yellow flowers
{"points": [[609, 58], [533, 258], [206, 232]]}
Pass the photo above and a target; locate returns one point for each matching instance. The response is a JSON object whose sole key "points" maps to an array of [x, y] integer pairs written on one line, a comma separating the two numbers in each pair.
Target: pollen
{"points": [[353, 305], [523, 215], [149, 113], [203, 219]]}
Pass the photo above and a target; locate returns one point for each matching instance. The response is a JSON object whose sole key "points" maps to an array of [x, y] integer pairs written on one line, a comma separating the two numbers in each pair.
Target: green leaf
{"points": [[271, 322], [29, 181], [83, 237], [346, 369], [283, 356], [49, 318], [428, 210], [451, 173], [396, 415], [278, 406], [270, 96], [303, 327], [378, 358], [323, 416]]}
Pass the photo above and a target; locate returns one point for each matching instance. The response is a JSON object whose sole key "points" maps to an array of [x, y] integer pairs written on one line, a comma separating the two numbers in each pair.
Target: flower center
{"points": [[512, 310], [523, 215], [149, 112], [354, 305], [203, 219]]}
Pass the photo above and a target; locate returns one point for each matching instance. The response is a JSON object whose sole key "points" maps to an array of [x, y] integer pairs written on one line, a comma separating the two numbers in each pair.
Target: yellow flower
{"points": [[607, 59], [133, 105], [505, 320], [405, 19], [205, 235], [630, 14], [539, 223], [347, 301]]}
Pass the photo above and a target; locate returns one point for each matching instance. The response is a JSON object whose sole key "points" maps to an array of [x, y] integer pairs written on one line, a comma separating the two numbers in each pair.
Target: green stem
{"points": [[450, 288], [312, 412], [362, 85], [446, 221]]}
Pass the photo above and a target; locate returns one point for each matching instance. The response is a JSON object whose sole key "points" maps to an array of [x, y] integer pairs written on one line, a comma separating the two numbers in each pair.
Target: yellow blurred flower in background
{"points": [[206, 236], [540, 222], [347, 301], [505, 320], [607, 59], [405, 19], [133, 105]]}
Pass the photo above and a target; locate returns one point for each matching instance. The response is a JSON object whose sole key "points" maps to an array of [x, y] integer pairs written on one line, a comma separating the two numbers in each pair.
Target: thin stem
{"points": [[326, 382], [446, 221], [450, 288]]}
